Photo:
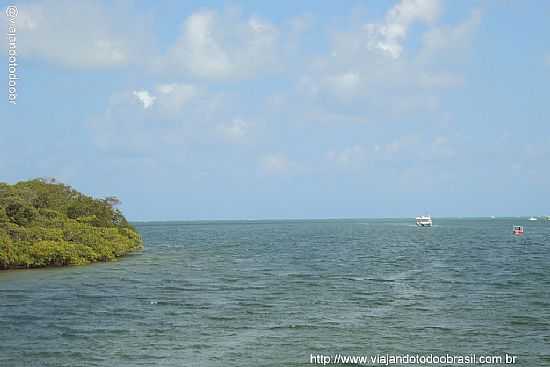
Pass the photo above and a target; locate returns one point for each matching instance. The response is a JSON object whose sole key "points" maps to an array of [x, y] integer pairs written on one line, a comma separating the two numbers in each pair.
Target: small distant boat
{"points": [[424, 221], [493, 217], [532, 219], [518, 230]]}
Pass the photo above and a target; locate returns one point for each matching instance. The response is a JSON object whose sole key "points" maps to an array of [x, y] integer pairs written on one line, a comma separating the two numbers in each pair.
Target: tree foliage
{"points": [[46, 223]]}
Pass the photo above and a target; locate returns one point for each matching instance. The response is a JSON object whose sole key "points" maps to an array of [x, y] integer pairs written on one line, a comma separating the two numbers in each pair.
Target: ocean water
{"points": [[272, 293]]}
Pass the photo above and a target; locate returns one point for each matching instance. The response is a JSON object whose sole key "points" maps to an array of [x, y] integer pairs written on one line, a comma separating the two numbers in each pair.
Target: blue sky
{"points": [[310, 109]]}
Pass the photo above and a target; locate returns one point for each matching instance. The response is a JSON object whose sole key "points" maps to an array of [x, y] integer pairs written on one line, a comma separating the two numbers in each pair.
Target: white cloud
{"points": [[351, 156], [389, 36], [80, 35], [449, 41], [274, 164], [170, 98], [440, 80], [90, 35], [144, 98], [335, 83], [165, 117], [366, 64], [173, 97], [359, 157], [166, 88], [441, 147], [394, 155], [223, 46], [198, 50], [344, 83], [122, 127], [402, 145], [235, 131]]}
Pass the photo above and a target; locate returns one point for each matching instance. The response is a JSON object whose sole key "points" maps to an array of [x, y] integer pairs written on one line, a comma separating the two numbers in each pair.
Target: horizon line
{"points": [[321, 218]]}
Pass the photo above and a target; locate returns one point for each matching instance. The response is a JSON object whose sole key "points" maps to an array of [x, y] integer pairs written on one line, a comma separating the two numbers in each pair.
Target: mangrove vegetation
{"points": [[46, 223]]}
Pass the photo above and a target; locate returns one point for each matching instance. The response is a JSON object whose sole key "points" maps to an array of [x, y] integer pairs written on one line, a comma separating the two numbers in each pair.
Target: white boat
{"points": [[424, 221], [532, 219]]}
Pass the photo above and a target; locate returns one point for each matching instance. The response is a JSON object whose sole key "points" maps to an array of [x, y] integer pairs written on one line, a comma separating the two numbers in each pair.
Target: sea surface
{"points": [[274, 293]]}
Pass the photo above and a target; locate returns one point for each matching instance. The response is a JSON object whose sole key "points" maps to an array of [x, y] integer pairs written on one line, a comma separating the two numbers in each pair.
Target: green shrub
{"points": [[46, 223]]}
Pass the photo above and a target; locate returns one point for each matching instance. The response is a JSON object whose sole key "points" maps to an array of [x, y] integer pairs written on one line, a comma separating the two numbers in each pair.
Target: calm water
{"points": [[272, 293]]}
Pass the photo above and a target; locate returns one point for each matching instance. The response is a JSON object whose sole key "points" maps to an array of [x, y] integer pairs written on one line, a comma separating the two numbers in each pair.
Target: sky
{"points": [[283, 109]]}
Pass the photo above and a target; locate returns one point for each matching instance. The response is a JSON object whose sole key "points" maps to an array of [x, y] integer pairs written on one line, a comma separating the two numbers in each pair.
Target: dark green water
{"points": [[273, 293]]}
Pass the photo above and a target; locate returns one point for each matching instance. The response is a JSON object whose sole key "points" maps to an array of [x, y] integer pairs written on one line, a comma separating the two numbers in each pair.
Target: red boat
{"points": [[518, 230]]}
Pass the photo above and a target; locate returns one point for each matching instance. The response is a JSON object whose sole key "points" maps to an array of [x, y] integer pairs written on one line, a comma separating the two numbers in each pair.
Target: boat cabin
{"points": [[424, 221], [518, 230]]}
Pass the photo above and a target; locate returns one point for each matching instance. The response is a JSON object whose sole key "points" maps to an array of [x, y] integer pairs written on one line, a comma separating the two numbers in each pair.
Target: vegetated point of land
{"points": [[46, 223]]}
